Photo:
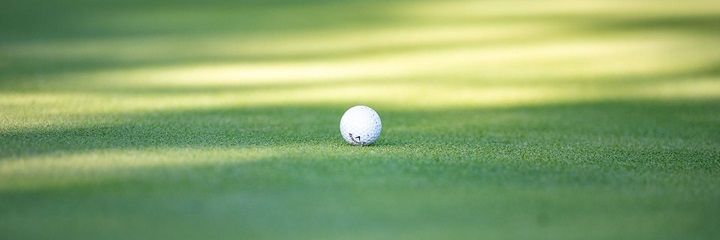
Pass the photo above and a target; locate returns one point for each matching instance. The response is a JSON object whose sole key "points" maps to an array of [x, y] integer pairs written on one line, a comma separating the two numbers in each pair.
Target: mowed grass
{"points": [[219, 120]]}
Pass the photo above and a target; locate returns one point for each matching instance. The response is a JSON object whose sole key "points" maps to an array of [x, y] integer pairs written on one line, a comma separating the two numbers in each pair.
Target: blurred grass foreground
{"points": [[218, 119]]}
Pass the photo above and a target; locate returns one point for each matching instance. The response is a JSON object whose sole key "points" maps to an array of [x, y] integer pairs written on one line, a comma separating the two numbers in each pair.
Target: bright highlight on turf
{"points": [[360, 126]]}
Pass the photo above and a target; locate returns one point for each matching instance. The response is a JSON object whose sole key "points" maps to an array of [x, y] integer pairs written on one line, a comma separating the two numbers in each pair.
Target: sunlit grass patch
{"points": [[65, 170]]}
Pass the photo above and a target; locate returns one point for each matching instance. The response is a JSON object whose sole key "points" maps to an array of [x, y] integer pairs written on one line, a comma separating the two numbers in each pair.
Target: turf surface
{"points": [[219, 120]]}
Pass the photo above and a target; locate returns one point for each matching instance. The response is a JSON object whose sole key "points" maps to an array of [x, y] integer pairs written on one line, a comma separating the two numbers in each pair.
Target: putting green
{"points": [[501, 119]]}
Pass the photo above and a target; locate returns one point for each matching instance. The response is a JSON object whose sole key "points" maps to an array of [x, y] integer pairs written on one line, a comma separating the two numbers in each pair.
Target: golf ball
{"points": [[360, 125]]}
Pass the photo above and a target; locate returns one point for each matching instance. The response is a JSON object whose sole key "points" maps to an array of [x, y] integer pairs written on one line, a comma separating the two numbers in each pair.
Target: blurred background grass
{"points": [[503, 119], [492, 53]]}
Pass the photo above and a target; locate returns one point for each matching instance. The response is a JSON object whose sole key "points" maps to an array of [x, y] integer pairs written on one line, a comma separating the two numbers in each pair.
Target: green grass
{"points": [[219, 120]]}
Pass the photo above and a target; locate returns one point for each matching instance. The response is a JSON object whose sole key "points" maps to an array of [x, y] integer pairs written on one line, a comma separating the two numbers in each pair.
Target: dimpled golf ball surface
{"points": [[360, 125]]}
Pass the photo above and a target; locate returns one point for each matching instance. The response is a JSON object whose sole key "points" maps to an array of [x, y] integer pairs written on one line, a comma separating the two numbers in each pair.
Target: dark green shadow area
{"points": [[688, 24], [44, 21]]}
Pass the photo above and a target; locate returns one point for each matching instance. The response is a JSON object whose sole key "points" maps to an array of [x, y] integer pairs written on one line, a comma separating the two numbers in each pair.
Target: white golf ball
{"points": [[360, 125]]}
